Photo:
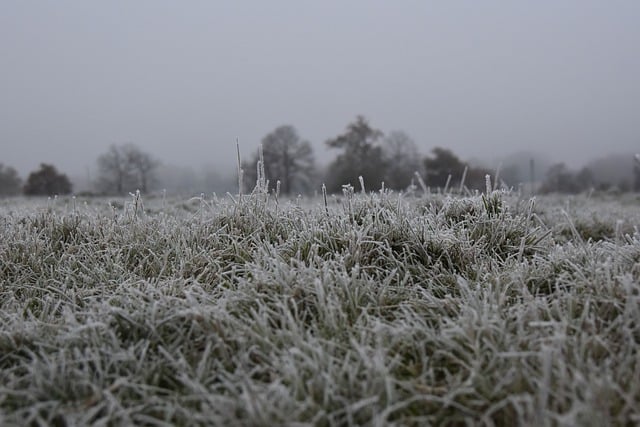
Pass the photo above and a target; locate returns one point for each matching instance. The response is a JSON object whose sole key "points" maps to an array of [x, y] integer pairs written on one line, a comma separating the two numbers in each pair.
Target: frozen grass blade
{"points": [[240, 171], [438, 310]]}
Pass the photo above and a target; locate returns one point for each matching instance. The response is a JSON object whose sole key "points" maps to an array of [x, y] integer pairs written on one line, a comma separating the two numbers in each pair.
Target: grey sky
{"points": [[182, 79]]}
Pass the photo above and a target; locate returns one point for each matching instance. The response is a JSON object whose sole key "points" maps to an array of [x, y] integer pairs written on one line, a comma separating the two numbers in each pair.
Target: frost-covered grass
{"points": [[376, 310]]}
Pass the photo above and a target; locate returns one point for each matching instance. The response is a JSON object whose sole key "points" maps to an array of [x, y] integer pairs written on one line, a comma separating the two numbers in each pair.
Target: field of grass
{"points": [[374, 309]]}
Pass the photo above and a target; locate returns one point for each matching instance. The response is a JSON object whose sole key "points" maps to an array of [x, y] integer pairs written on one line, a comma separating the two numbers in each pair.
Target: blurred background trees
{"points": [[361, 154], [10, 182], [560, 179], [126, 168], [443, 167], [47, 181], [362, 150], [287, 158], [401, 158]]}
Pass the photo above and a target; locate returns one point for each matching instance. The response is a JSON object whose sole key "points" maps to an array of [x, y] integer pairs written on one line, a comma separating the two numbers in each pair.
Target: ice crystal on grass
{"points": [[376, 309]]}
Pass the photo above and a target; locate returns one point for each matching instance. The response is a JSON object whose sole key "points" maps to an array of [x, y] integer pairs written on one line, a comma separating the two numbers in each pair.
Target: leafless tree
{"points": [[402, 159], [126, 168], [10, 182]]}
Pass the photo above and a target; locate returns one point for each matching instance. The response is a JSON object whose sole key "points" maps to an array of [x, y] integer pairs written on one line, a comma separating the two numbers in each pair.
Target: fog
{"points": [[183, 80]]}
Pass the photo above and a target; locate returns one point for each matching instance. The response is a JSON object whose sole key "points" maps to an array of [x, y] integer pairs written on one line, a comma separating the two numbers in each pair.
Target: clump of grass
{"points": [[377, 309]]}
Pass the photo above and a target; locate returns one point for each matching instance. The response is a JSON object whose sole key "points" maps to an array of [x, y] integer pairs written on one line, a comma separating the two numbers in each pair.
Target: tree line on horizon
{"points": [[364, 155]]}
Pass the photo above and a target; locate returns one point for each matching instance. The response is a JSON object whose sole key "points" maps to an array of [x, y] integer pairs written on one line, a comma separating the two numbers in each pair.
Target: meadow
{"points": [[373, 308]]}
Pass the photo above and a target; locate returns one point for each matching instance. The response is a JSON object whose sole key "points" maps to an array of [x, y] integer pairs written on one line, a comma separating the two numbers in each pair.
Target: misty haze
{"points": [[288, 213], [494, 83]]}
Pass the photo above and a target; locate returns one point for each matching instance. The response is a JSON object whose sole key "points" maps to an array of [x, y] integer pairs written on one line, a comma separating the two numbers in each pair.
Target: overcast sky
{"points": [[183, 79]]}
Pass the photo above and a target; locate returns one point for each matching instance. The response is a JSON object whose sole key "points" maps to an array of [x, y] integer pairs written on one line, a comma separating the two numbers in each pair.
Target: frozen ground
{"points": [[371, 310]]}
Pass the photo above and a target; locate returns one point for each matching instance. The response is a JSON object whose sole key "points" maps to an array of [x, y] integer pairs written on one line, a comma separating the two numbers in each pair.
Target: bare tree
{"points": [[126, 168], [287, 158], [112, 169], [142, 165], [10, 182], [402, 159]]}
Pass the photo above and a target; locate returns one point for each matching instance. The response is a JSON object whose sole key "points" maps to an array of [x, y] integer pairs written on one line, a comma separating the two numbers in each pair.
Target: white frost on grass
{"points": [[376, 309]]}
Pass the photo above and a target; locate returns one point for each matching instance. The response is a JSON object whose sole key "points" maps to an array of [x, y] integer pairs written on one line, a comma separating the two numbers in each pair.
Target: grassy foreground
{"points": [[374, 310]]}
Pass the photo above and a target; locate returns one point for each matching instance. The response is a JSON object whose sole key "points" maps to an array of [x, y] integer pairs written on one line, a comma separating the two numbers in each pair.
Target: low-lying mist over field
{"points": [[183, 81], [290, 165]]}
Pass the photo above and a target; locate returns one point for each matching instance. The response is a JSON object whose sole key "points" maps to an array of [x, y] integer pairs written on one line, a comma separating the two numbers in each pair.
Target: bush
{"points": [[47, 181]]}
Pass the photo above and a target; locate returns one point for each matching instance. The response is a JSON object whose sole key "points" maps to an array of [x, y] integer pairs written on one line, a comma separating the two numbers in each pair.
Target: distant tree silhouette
{"points": [[585, 179], [560, 179], [614, 171], [287, 158], [47, 181], [10, 182], [362, 155], [523, 168], [114, 171], [401, 158], [512, 176], [476, 178], [142, 165], [443, 166], [125, 168]]}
